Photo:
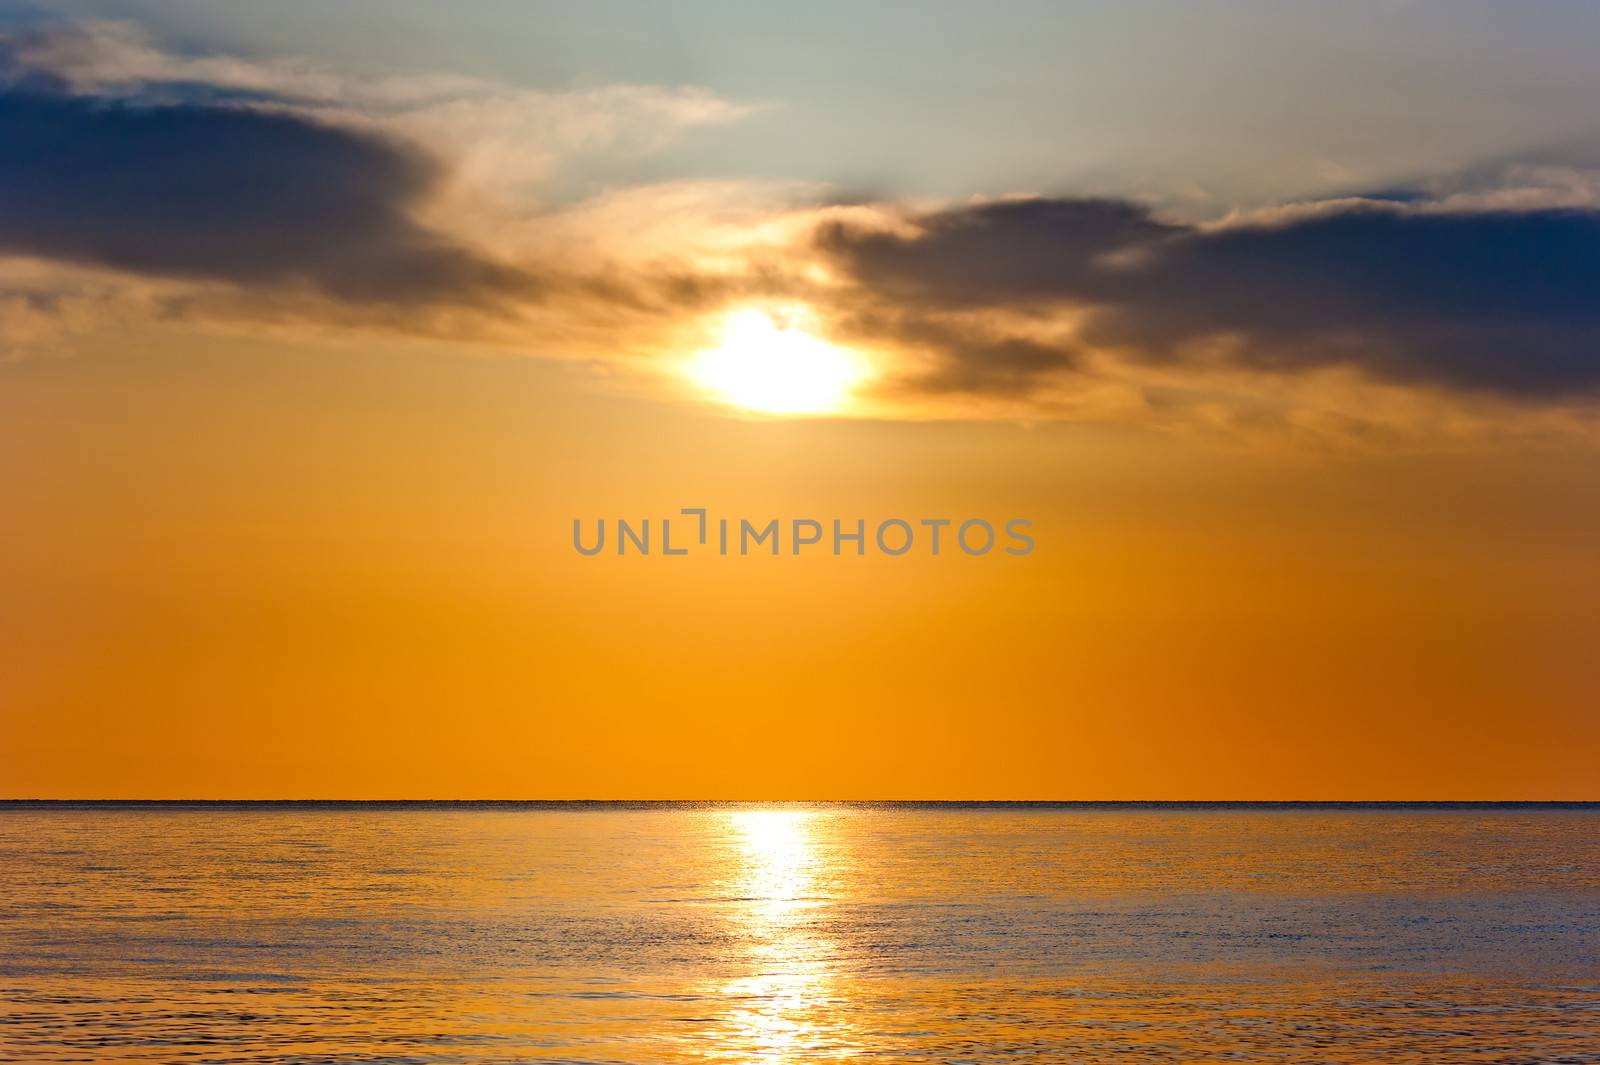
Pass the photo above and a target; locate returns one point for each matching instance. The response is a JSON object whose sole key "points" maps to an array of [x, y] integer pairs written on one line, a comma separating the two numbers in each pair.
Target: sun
{"points": [[767, 361]]}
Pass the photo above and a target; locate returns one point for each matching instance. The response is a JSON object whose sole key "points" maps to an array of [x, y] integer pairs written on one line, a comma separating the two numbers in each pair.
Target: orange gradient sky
{"points": [[314, 343], [237, 571]]}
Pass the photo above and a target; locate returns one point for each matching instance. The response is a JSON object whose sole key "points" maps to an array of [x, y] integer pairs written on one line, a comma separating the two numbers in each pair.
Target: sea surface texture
{"points": [[735, 934]]}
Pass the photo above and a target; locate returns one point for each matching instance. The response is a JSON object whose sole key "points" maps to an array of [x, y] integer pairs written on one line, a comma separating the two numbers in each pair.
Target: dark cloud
{"points": [[960, 357], [208, 188], [978, 362], [1006, 252], [1502, 301]]}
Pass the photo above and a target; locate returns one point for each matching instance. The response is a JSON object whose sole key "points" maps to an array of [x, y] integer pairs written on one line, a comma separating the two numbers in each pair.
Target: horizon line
{"points": [[844, 803]]}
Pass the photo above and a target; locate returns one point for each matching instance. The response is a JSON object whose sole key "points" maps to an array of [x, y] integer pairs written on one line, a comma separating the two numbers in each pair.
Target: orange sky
{"points": [[235, 570], [315, 340]]}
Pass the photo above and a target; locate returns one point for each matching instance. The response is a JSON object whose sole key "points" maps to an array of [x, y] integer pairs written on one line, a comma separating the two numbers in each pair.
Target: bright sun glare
{"points": [[768, 362]]}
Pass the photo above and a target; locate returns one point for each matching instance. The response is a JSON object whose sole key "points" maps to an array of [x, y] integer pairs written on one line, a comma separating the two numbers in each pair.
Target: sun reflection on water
{"points": [[779, 858], [784, 1000]]}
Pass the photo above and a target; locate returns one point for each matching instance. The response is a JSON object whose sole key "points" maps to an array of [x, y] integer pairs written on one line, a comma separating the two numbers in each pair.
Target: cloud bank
{"points": [[426, 205], [1504, 301], [227, 193]]}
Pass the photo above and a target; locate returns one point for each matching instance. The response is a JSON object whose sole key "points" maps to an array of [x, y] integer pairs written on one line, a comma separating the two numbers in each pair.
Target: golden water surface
{"points": [[798, 934]]}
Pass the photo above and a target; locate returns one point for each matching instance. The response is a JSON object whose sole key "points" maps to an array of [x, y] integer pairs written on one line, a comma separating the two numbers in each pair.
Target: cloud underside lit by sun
{"points": [[217, 192]]}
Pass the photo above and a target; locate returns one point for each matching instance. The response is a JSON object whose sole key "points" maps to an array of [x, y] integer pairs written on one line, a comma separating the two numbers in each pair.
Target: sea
{"points": [[622, 933]]}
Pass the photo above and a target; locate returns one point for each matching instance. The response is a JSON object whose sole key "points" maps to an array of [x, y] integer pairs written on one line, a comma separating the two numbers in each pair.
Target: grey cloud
{"points": [[201, 185], [1504, 301]]}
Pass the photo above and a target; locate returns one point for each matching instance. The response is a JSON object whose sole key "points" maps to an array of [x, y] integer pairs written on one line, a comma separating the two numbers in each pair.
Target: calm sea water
{"points": [[798, 934]]}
